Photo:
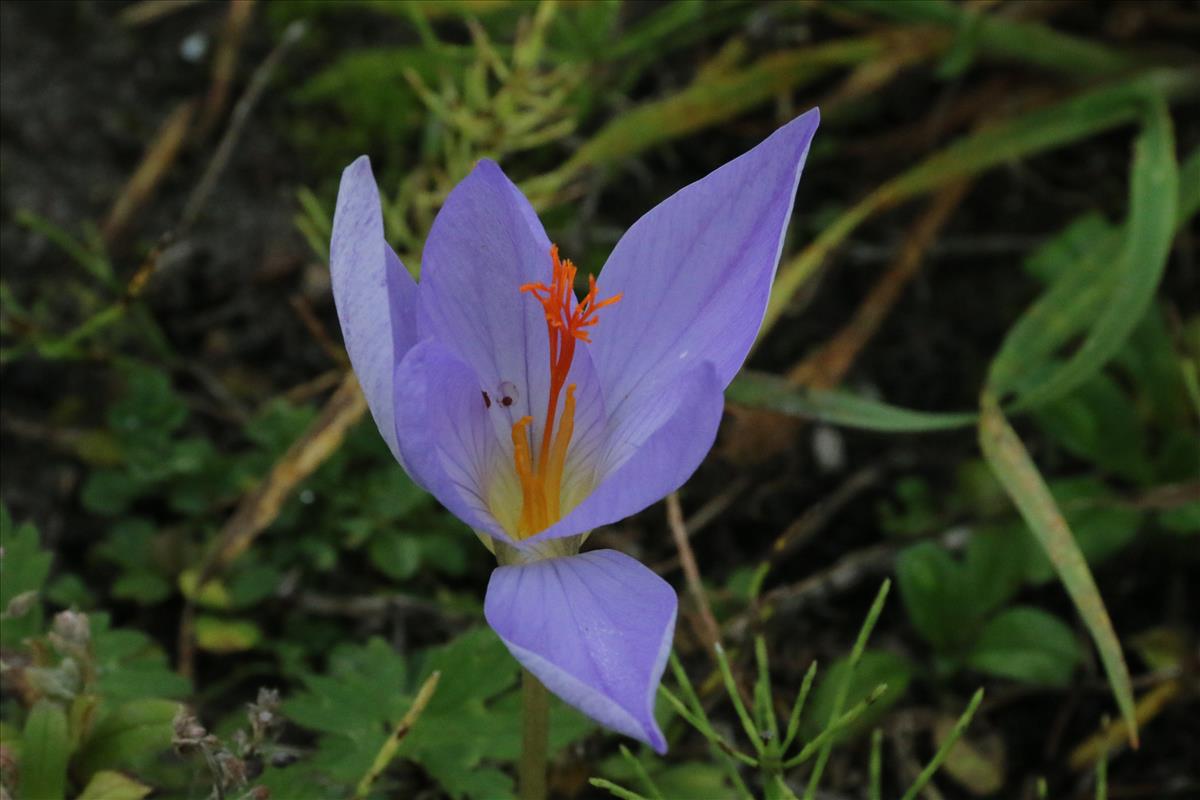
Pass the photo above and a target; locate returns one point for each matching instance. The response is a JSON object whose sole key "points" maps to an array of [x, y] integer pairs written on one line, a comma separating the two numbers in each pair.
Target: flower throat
{"points": [[541, 477]]}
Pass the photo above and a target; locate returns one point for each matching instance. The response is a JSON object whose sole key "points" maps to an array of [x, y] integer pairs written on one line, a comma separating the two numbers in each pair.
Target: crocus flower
{"points": [[536, 417]]}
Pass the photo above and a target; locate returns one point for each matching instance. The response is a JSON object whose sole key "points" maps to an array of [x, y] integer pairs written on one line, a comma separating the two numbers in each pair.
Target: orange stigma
{"points": [[541, 478]]}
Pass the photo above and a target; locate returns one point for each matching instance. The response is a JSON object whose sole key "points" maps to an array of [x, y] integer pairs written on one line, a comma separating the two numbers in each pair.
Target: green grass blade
{"points": [[735, 696], [839, 700], [1073, 301], [793, 726], [717, 99], [615, 790], [940, 756], [834, 728], [759, 390], [1012, 465], [1027, 42], [875, 791], [640, 772], [764, 705], [1078, 117], [1149, 231]]}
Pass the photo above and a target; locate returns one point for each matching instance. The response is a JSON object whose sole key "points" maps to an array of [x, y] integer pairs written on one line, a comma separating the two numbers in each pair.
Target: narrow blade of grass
{"points": [[1014, 468], [839, 700], [1078, 117], [831, 730], [876, 767], [760, 390], [615, 790], [1149, 231], [640, 772], [720, 98], [1028, 42], [735, 696], [793, 726], [940, 755]]}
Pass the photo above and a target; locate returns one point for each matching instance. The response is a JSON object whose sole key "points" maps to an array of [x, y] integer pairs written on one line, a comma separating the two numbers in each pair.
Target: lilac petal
{"points": [[595, 628], [695, 272], [374, 294], [486, 243], [446, 438], [657, 464]]}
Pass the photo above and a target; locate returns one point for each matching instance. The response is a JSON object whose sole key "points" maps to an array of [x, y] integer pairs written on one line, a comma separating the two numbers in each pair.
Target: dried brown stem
{"points": [[707, 629]]}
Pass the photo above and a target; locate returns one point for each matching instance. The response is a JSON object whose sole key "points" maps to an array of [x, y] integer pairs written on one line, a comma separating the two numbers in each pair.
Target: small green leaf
{"points": [[1183, 520], [109, 785], [875, 668], [995, 564], [220, 635], [213, 594], [45, 748], [1026, 644], [936, 595], [24, 567], [128, 736], [396, 555]]}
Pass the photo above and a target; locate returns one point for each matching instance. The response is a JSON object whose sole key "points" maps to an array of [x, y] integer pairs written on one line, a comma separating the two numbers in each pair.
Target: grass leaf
{"points": [[760, 390], [1011, 462], [1146, 244]]}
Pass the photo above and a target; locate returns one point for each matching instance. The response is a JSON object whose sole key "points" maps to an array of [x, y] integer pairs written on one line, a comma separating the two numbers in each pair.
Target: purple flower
{"points": [[535, 417]]}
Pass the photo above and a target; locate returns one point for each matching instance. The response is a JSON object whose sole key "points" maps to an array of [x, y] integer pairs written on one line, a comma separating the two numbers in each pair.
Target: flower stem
{"points": [[535, 735]]}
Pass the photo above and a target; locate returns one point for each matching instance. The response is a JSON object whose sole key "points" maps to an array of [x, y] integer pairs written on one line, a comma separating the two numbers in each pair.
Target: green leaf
{"points": [[1029, 645], [1016, 471], [1099, 423], [995, 564], [935, 593], [876, 667], [109, 492], [45, 747], [128, 736], [109, 785], [445, 551], [396, 555], [24, 567], [1146, 244], [221, 635], [759, 390], [1183, 520], [130, 665]]}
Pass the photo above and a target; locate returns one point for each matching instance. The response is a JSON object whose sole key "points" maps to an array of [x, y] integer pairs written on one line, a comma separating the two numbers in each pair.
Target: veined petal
{"points": [[445, 435], [696, 272], [374, 294], [486, 243], [595, 628], [647, 461]]}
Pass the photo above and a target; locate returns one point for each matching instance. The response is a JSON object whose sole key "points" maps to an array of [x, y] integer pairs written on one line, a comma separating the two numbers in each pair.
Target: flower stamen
{"points": [[566, 324]]}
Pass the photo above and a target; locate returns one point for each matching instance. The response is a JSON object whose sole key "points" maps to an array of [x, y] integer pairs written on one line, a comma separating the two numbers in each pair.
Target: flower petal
{"points": [[485, 244], [696, 271], [374, 294], [595, 628], [658, 456], [446, 438]]}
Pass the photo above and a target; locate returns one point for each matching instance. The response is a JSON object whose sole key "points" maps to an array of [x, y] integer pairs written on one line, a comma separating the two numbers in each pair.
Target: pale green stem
{"points": [[535, 738]]}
